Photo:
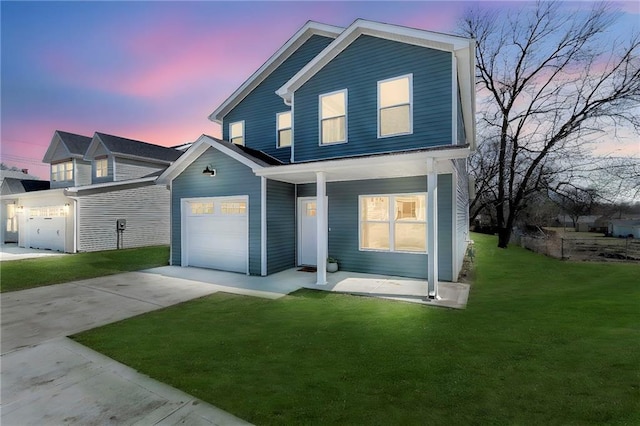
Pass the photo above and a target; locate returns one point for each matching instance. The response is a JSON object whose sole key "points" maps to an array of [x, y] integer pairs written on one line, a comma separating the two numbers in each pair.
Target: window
{"points": [[395, 106], [394, 223], [62, 171], [201, 208], [12, 220], [333, 117], [311, 209], [102, 167], [236, 132], [283, 121], [233, 207]]}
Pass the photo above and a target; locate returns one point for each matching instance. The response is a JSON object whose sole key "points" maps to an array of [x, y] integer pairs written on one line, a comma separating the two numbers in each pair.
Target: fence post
{"points": [[561, 248], [626, 248]]}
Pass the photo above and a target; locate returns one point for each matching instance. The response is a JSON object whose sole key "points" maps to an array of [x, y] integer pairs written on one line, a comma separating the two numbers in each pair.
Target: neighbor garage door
{"points": [[216, 233], [46, 228]]}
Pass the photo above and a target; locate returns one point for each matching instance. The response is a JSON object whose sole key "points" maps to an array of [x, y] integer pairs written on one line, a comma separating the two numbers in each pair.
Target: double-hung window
{"points": [[102, 167], [61, 172], [236, 132], [283, 122], [333, 117], [395, 106], [395, 223]]}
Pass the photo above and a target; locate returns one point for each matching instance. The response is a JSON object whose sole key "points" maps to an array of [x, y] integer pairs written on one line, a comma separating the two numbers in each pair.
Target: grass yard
{"points": [[541, 342], [28, 273]]}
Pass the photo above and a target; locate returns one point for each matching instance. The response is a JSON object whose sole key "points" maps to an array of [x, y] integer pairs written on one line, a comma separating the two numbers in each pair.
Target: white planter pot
{"points": [[332, 267]]}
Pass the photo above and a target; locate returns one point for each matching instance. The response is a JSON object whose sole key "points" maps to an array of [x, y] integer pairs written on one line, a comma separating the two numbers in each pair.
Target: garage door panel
{"points": [[46, 233], [216, 240]]}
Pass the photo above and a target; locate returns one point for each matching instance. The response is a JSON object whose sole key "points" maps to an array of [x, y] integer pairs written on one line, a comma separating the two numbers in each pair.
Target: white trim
{"points": [[293, 134], [391, 222], [278, 114], [263, 226], [454, 224], [110, 184], [203, 143], [292, 45], [346, 113], [410, 132], [244, 133], [379, 166]]}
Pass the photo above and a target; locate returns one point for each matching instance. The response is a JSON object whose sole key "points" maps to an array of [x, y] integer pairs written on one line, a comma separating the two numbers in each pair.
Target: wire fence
{"points": [[603, 248]]}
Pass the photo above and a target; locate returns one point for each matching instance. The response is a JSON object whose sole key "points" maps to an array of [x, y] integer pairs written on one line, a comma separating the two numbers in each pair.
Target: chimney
{"points": [[25, 171]]}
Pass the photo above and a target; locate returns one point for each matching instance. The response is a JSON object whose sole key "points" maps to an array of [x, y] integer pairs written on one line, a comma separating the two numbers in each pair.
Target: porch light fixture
{"points": [[66, 209], [209, 171]]}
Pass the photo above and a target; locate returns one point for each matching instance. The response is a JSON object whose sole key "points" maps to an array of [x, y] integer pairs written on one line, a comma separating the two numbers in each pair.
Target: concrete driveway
{"points": [[49, 379]]}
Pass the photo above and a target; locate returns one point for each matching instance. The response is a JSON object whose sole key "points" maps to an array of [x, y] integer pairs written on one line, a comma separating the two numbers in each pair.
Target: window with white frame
{"points": [[102, 167], [61, 172], [233, 207], [395, 107], [199, 208], [333, 117], [395, 223], [236, 132], [283, 121]]}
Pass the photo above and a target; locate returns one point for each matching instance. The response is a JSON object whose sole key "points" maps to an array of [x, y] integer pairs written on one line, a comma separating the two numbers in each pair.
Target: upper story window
{"points": [[236, 132], [395, 109], [283, 121], [395, 223], [62, 172], [333, 117], [102, 167]]}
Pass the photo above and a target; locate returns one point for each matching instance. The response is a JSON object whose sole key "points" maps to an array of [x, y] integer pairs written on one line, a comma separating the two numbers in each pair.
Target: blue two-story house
{"points": [[348, 142]]}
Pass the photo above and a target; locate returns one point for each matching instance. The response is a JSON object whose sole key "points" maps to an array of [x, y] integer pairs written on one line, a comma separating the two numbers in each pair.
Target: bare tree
{"points": [[549, 83]]}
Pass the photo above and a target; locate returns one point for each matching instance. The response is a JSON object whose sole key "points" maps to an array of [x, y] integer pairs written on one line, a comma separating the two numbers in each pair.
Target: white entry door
{"points": [[307, 231], [216, 233]]}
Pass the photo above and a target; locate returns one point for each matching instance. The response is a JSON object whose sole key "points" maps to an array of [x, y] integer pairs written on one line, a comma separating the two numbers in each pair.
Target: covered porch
{"points": [[451, 295]]}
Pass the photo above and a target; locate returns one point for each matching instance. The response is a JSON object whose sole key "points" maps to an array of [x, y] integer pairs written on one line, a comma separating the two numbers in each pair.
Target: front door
{"points": [[308, 231]]}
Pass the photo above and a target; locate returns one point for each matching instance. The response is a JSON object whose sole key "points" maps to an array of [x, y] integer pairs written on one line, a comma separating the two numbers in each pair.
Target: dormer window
{"points": [[333, 117], [395, 107], [102, 167], [62, 172], [236, 132], [283, 121]]}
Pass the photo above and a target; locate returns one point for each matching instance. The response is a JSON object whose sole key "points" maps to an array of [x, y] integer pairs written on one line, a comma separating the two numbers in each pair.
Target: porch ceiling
{"points": [[383, 166]]}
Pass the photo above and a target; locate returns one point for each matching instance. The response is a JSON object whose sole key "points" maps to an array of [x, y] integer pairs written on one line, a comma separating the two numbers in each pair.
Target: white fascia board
{"points": [[76, 189], [35, 194], [53, 145], [360, 27], [466, 60], [347, 164], [93, 146], [203, 143], [298, 39], [178, 166]]}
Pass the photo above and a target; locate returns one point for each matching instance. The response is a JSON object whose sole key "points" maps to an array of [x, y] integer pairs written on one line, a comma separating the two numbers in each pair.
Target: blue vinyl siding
{"points": [[281, 226], [260, 107], [344, 225], [232, 178], [358, 69]]}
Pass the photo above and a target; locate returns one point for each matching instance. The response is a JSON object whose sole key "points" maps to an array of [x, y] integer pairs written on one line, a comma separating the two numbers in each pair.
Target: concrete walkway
{"points": [[48, 379], [11, 251]]}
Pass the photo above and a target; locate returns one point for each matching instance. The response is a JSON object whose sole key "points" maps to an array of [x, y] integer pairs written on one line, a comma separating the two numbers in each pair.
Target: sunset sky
{"points": [[154, 71]]}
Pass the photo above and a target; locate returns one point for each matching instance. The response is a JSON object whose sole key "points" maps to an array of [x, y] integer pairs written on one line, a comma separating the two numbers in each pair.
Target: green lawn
{"points": [[541, 342], [28, 273]]}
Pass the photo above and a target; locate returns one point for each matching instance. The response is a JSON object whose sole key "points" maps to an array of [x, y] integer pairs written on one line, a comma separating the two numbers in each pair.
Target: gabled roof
{"points": [[19, 186], [250, 157], [133, 149], [463, 49], [75, 145], [299, 38]]}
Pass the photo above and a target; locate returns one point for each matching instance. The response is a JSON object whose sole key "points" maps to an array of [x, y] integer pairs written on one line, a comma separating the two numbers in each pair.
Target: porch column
{"points": [[432, 229], [321, 221]]}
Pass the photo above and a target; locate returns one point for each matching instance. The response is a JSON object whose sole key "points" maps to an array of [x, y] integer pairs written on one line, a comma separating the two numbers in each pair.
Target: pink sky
{"points": [[154, 71]]}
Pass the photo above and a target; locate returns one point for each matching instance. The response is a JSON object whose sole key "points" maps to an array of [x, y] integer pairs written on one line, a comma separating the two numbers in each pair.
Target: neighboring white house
{"points": [[15, 182], [625, 228], [102, 196]]}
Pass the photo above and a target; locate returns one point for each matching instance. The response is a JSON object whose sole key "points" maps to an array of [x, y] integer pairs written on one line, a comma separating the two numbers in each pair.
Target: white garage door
{"points": [[46, 228], [216, 233]]}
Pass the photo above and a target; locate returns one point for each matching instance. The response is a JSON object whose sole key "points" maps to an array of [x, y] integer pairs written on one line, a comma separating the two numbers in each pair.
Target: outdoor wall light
{"points": [[209, 171], [66, 209]]}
